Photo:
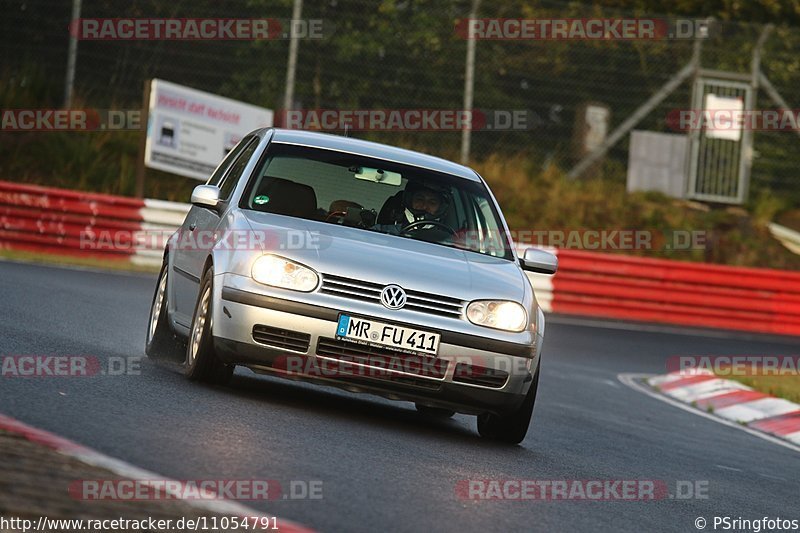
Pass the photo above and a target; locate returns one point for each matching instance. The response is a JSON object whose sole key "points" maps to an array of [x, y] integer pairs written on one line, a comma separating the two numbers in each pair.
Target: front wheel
{"points": [[202, 363], [161, 342], [510, 428]]}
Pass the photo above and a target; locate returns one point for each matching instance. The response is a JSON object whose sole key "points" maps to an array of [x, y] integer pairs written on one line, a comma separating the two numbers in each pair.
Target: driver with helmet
{"points": [[421, 202]]}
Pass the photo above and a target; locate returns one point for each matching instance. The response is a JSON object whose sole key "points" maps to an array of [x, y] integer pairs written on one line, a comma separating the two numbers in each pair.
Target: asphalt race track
{"points": [[384, 466]]}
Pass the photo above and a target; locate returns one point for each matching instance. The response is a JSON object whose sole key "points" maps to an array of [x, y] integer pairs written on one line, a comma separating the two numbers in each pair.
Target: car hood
{"points": [[380, 258]]}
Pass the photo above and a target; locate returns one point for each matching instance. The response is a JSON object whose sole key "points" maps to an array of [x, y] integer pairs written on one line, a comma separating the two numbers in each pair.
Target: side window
{"points": [[237, 169], [493, 238], [458, 207], [216, 177]]}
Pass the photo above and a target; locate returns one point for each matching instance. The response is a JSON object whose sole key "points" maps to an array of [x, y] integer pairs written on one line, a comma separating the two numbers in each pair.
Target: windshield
{"points": [[375, 195]]}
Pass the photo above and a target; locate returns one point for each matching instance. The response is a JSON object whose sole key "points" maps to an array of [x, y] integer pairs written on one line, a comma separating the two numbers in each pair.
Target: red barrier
{"points": [[52, 194], [677, 292], [43, 219]]}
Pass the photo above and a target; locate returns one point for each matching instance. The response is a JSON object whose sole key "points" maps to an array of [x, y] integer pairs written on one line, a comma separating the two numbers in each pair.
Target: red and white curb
{"points": [[731, 401], [94, 458], [639, 382]]}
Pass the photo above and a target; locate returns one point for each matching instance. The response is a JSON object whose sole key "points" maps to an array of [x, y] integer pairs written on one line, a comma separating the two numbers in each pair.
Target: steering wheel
{"points": [[335, 214], [442, 225]]}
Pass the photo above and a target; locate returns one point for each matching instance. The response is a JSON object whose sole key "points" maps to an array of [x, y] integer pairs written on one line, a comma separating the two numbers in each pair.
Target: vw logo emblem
{"points": [[393, 297]]}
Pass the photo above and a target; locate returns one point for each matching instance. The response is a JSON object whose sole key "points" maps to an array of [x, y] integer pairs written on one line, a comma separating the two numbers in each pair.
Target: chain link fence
{"points": [[406, 54]]}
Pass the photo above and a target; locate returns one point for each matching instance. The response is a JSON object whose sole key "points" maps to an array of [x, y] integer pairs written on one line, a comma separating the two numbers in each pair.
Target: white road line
{"points": [[127, 470], [631, 381], [729, 468], [772, 477]]}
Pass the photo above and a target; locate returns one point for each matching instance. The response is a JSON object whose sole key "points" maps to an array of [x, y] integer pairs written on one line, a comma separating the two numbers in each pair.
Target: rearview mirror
{"points": [[539, 261], [205, 196], [377, 175]]}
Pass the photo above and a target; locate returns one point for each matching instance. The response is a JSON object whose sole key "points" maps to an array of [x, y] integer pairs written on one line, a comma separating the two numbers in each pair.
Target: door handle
{"points": [[192, 226]]}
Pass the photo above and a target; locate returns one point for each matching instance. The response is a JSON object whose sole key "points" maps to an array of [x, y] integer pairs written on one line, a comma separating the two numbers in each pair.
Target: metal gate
{"points": [[719, 164]]}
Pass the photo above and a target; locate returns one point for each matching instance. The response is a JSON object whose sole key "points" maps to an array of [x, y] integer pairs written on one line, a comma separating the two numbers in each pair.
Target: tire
{"points": [[510, 428], [161, 342], [202, 363], [434, 412]]}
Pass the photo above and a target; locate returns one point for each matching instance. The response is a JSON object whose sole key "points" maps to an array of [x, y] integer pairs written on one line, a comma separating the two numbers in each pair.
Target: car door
{"points": [[185, 275]]}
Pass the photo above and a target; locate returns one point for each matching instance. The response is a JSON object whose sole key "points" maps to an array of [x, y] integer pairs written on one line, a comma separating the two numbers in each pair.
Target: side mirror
{"points": [[539, 261], [206, 196]]}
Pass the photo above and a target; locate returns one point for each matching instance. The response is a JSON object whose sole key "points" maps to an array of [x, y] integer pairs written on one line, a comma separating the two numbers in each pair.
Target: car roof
{"points": [[371, 149]]}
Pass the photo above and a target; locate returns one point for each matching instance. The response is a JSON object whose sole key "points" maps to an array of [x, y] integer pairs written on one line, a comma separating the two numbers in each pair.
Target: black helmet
{"points": [[413, 187]]}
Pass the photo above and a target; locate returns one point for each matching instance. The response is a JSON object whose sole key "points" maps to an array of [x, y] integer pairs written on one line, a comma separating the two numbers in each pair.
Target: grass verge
{"points": [[88, 262], [787, 387]]}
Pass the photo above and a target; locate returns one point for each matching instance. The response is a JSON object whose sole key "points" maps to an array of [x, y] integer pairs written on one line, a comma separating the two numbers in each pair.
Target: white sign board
{"points": [[724, 116], [597, 121], [190, 131]]}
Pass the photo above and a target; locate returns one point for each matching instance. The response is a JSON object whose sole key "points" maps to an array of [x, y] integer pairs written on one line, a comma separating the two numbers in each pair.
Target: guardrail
{"points": [[788, 237], [672, 292], [587, 283], [59, 221]]}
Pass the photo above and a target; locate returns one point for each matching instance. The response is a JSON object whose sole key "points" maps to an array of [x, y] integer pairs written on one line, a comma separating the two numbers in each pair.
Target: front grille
{"points": [[382, 360], [281, 338], [479, 375], [367, 291]]}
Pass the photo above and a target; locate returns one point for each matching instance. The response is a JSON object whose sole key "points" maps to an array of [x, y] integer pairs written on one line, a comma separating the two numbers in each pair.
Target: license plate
{"points": [[374, 333]]}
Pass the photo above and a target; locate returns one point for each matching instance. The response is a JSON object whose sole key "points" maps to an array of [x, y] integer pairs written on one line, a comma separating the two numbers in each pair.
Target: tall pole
{"points": [[469, 84], [291, 66], [752, 102], [72, 54], [144, 119]]}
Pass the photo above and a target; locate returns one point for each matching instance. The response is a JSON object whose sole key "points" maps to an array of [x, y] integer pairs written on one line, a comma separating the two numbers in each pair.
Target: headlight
{"points": [[497, 314], [280, 272]]}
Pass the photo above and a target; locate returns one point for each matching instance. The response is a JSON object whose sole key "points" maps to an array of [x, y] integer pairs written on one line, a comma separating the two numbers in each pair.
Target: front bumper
{"points": [[302, 334]]}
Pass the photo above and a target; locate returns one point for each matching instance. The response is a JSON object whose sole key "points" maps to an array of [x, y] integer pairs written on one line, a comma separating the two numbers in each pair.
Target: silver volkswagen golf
{"points": [[359, 265]]}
